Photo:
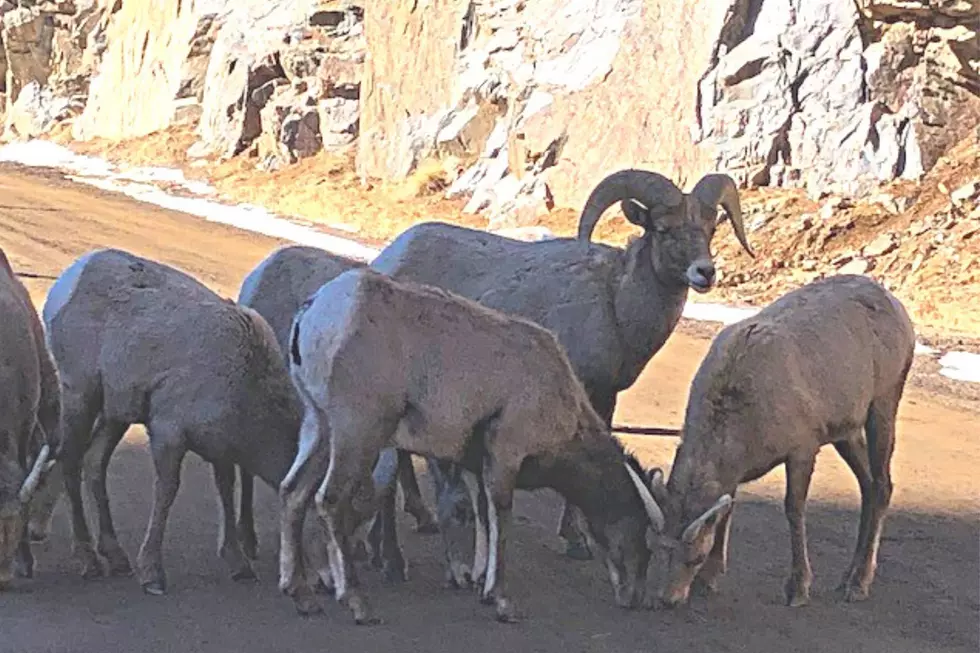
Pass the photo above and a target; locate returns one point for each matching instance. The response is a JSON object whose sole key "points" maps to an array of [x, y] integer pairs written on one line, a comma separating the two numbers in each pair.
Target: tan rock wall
{"points": [[140, 74], [409, 75]]}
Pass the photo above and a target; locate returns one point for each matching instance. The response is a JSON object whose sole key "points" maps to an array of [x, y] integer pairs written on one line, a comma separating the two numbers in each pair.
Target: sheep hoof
{"points": [[362, 612], [797, 593], [91, 566], [23, 568], [855, 594], [155, 587]]}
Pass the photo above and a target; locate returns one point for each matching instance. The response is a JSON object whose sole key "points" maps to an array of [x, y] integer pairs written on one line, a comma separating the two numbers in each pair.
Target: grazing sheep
{"points": [[813, 368], [139, 342], [276, 288], [382, 363], [612, 309], [30, 411]]}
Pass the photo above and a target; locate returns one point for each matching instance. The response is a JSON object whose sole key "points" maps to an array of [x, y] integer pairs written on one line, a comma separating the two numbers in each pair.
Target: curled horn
{"points": [[714, 190], [691, 531], [648, 188], [34, 478], [649, 503]]}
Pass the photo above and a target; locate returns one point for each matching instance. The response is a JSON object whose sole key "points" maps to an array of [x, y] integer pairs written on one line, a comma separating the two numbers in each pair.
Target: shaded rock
{"points": [[251, 49], [195, 67], [26, 35], [230, 118], [800, 100], [300, 135]]}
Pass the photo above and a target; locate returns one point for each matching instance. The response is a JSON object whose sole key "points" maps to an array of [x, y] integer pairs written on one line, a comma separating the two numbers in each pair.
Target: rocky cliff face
{"points": [[532, 100]]}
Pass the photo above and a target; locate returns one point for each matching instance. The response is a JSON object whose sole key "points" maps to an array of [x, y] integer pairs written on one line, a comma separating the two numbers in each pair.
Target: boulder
{"points": [[558, 77], [36, 111], [27, 37], [257, 45], [339, 121]]}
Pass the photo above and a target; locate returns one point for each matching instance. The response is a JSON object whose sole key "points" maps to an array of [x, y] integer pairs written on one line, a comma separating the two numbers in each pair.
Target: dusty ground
{"points": [[925, 599]]}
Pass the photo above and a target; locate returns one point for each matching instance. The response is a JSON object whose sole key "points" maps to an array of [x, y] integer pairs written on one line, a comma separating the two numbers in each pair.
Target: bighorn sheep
{"points": [[382, 363], [813, 368], [139, 342], [30, 407], [276, 288], [612, 309]]}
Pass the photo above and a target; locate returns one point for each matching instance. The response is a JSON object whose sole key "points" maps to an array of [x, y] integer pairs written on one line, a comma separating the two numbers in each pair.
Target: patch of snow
{"points": [[961, 366], [708, 312], [243, 216]]}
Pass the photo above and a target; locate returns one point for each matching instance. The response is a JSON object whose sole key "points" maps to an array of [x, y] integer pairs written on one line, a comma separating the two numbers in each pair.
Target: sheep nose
{"points": [[701, 275]]}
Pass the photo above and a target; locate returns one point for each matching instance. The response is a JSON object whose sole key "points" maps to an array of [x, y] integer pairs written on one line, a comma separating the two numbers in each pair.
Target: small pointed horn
{"points": [[691, 531], [714, 190], [34, 478], [648, 188], [649, 503]]}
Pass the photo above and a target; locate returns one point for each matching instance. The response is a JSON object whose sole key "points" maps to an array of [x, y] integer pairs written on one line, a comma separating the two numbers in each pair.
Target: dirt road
{"points": [[925, 598]]}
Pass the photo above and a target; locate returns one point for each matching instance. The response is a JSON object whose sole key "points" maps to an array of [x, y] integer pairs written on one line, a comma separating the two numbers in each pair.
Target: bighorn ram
{"points": [[381, 363], [276, 288], [30, 407], [612, 309], [139, 342], [813, 368]]}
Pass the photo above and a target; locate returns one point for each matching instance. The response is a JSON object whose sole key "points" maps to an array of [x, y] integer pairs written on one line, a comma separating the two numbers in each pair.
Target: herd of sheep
{"points": [[499, 361]]}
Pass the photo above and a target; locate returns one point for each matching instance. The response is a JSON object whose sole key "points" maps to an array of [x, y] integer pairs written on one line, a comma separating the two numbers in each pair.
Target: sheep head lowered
{"points": [[678, 227]]}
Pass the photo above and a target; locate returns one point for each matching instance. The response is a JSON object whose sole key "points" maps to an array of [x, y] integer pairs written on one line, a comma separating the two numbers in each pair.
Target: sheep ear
{"points": [[636, 212], [657, 484]]}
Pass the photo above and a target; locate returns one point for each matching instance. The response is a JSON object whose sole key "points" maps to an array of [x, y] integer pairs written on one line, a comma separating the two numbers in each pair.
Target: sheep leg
{"points": [[452, 509], [79, 413], [108, 434], [572, 524], [392, 561], [335, 502], [44, 502], [294, 494], [716, 566], [24, 557], [168, 449], [499, 484], [798, 474], [229, 547], [854, 452], [880, 430], [246, 517], [425, 523], [480, 513]]}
